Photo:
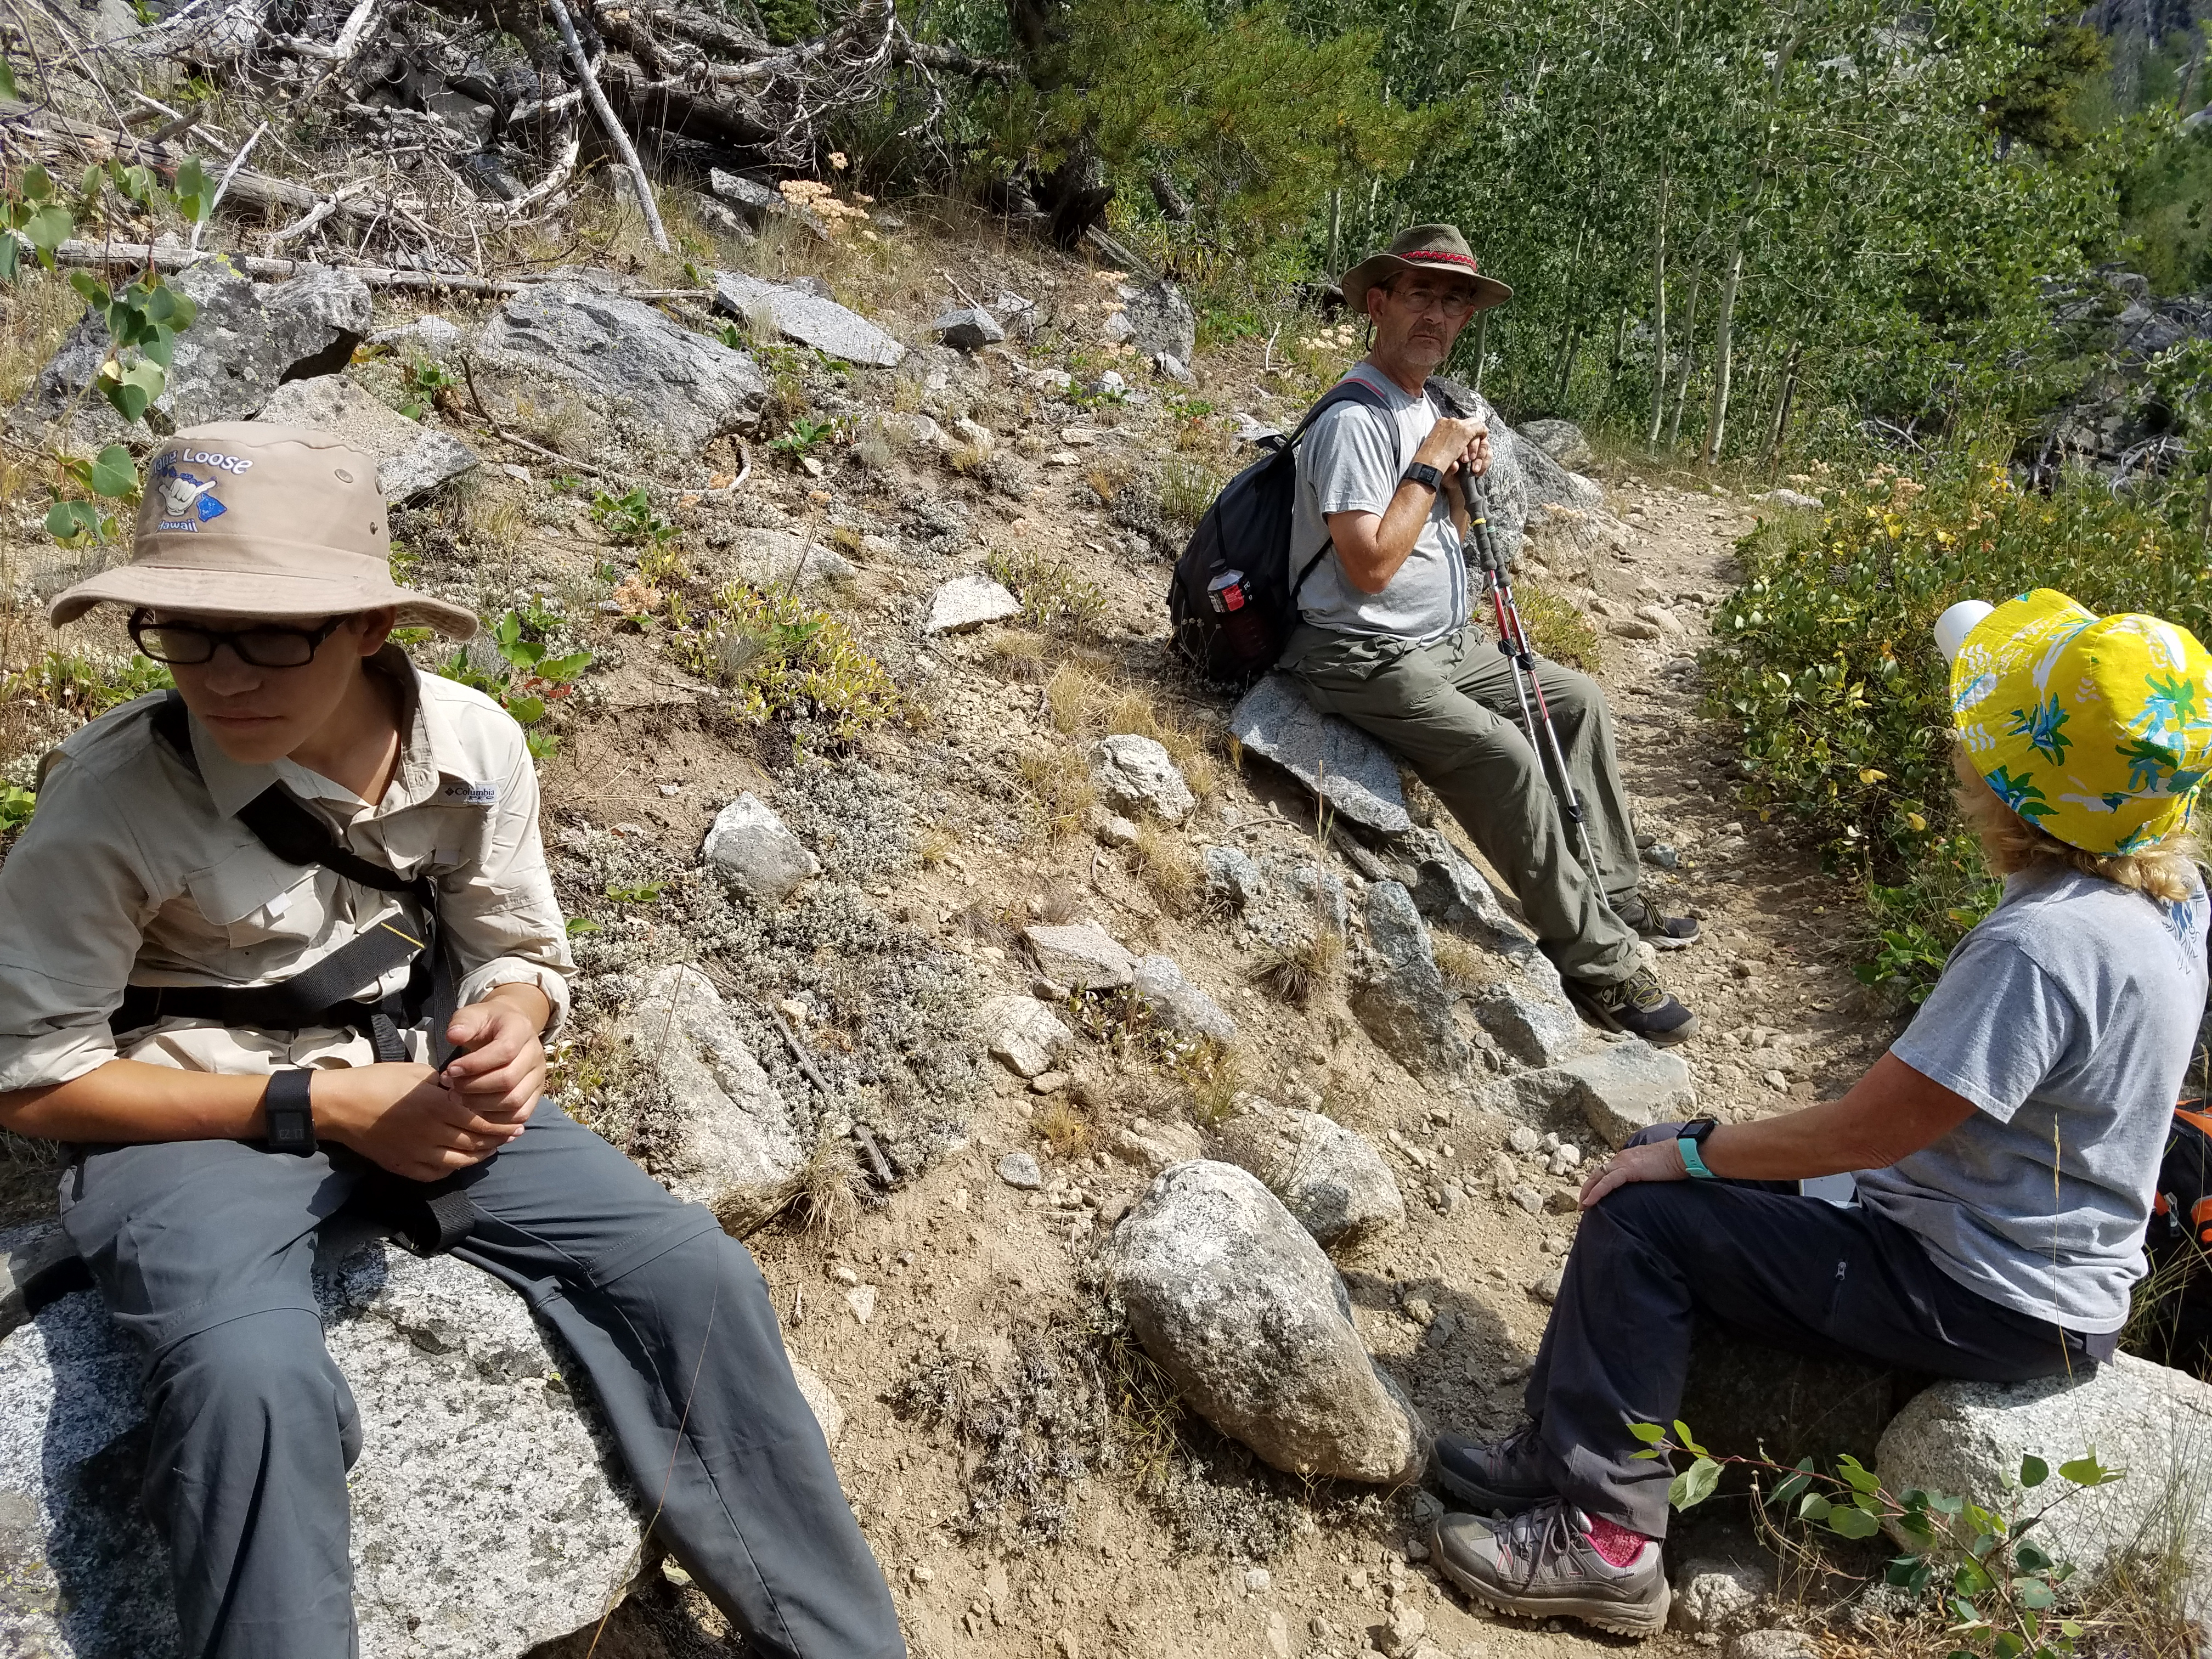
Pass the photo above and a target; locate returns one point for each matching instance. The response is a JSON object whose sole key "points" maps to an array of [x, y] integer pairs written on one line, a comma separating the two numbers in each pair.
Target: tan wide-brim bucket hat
{"points": [[243, 520], [1438, 248]]}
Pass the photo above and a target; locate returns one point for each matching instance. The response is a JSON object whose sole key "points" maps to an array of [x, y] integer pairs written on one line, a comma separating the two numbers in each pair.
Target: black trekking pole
{"points": [[1513, 640]]}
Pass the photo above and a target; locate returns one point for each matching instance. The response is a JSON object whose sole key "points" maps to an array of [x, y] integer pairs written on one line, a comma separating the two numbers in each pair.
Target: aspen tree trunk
{"points": [[1658, 319], [1481, 345], [1717, 429], [1620, 346], [1689, 359], [1781, 426], [1566, 365], [1335, 227]]}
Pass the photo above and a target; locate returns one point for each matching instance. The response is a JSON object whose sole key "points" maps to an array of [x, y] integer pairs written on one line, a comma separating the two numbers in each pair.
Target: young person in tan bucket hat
{"points": [[283, 945]]}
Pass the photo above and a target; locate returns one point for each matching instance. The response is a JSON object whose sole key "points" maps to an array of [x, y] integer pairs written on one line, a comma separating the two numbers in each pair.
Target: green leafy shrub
{"points": [[1825, 662], [531, 683], [787, 660], [629, 518], [1049, 590]]}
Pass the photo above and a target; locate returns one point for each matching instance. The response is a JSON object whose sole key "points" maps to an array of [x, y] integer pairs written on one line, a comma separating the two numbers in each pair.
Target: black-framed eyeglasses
{"points": [[1422, 297], [264, 645]]}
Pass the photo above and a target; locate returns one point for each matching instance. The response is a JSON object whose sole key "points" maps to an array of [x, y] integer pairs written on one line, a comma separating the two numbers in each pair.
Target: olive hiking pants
{"points": [[203, 1250], [1450, 709]]}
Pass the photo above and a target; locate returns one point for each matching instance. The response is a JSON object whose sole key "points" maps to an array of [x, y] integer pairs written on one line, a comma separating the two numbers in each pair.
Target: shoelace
{"points": [[1643, 992], [1535, 1537]]}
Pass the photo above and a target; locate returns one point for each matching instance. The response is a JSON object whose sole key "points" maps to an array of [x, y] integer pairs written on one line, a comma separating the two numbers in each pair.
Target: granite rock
{"points": [[1357, 775], [247, 341], [808, 319], [970, 602], [411, 459], [1176, 1004], [772, 560], [1562, 441], [755, 852], [1136, 774], [1232, 878], [632, 370], [486, 1516], [1717, 1597], [720, 1133], [1022, 1033], [1618, 1088], [1156, 319], [1082, 957], [1403, 1000], [1333, 1179], [1235, 1301], [969, 328]]}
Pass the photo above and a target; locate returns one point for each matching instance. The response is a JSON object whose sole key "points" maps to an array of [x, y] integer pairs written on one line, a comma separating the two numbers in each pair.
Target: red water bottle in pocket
{"points": [[1230, 596]]}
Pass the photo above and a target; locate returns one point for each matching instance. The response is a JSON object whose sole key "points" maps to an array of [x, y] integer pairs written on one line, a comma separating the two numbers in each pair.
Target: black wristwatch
{"points": [[291, 1119], [1422, 473]]}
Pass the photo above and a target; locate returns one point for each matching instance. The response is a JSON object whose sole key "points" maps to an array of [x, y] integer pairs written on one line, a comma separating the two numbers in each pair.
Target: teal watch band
{"points": [[1692, 1161]]}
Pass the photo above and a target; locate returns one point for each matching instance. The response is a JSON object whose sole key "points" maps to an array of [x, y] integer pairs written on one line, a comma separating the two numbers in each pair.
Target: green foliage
{"points": [[1049, 590], [1997, 1587], [1826, 665], [2164, 200], [788, 661], [428, 387], [644, 893], [788, 21], [87, 686], [15, 808], [532, 681], [2040, 102], [802, 436], [629, 518]]}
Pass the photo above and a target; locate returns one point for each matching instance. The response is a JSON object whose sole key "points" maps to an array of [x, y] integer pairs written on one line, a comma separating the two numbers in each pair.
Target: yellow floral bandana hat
{"points": [[2095, 729]]}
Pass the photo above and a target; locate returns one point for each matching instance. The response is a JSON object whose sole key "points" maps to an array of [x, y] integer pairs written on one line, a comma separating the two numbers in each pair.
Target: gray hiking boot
{"points": [[1541, 1563], [1662, 932], [1639, 1005], [1497, 1477]]}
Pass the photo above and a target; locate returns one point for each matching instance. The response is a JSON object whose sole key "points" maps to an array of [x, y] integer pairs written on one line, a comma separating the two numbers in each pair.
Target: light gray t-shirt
{"points": [[1349, 461], [2068, 1018]]}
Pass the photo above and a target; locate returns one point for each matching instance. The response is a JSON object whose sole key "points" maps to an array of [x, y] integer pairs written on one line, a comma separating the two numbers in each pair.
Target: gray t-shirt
{"points": [[2068, 1018], [1349, 461]]}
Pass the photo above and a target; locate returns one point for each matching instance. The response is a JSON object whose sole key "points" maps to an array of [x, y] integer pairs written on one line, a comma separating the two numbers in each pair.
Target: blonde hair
{"points": [[2166, 872]]}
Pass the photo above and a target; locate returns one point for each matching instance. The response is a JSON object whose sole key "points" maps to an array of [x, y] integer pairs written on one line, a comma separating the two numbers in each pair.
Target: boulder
{"points": [[430, 336], [1968, 1439], [1082, 957], [1333, 1179], [1233, 879], [1562, 441], [411, 459], [719, 1134], [970, 602], [1155, 319], [1155, 1148], [1357, 775], [629, 367], [753, 201], [1520, 1000], [1793, 499], [1617, 1089], [1138, 775], [1176, 1004], [969, 328], [1744, 1399], [487, 1517], [246, 341], [1235, 1301], [1403, 1000], [1717, 1597], [755, 853], [1022, 1033], [808, 319], [776, 559]]}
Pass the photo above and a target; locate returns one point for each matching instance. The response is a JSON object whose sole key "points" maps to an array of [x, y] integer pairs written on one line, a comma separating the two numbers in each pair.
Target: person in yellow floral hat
{"points": [[2002, 1156]]}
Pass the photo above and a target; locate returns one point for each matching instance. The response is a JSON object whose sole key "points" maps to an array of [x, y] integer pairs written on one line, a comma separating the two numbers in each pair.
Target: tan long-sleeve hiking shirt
{"points": [[134, 872]]}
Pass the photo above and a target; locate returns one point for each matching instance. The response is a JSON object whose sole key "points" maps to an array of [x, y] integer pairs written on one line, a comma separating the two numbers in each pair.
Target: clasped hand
{"points": [[1452, 443], [424, 1124]]}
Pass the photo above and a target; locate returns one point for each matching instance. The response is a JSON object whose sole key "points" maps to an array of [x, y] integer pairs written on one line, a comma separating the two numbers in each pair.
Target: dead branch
{"points": [[616, 134], [169, 256], [222, 186]]}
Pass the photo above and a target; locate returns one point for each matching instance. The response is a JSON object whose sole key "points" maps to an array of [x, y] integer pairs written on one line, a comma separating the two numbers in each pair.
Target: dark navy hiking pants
{"points": [[203, 1250], [1762, 1262]]}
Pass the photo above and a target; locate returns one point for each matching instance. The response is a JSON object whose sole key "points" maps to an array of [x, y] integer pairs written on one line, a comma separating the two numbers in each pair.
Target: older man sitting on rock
{"points": [[2007, 1147], [1387, 640]]}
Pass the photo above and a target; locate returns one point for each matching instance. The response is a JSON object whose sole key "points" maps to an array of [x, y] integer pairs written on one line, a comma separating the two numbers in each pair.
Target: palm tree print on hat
{"points": [[2169, 710], [2041, 726], [2022, 796]]}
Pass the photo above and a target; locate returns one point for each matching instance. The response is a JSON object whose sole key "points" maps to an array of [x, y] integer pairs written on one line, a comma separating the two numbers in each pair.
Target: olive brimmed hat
{"points": [[2097, 730], [1438, 248], [243, 520]]}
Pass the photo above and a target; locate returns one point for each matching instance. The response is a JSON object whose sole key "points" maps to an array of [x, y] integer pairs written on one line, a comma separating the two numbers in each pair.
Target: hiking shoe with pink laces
{"points": [[1551, 1562]]}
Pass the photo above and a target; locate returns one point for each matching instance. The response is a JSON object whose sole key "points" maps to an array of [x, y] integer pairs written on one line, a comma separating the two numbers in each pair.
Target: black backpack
{"points": [[2178, 1332], [1233, 600]]}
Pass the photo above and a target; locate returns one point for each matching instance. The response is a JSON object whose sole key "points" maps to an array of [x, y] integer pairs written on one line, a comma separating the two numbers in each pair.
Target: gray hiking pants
{"points": [[1450, 709], [204, 1251]]}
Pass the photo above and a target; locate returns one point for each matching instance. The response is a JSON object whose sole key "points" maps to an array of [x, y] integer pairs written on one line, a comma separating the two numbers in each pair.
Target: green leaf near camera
{"points": [[47, 229], [526, 710], [1694, 1484], [195, 189], [1853, 1523], [113, 473], [1649, 1433], [2086, 1471], [1813, 1507], [582, 925], [2033, 1471], [561, 670], [38, 184]]}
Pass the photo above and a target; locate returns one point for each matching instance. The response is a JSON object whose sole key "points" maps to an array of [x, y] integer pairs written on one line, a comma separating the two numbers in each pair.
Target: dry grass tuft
{"points": [[825, 1201], [1061, 793], [1148, 1412], [35, 314], [1061, 902], [1212, 1075], [1061, 1125], [1459, 961], [1166, 867], [1019, 654], [1293, 974], [1555, 627], [936, 848], [1083, 705]]}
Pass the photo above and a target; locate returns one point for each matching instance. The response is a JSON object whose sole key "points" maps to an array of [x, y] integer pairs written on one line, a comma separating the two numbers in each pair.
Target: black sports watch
{"points": [[1688, 1141], [1422, 473], [291, 1119]]}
